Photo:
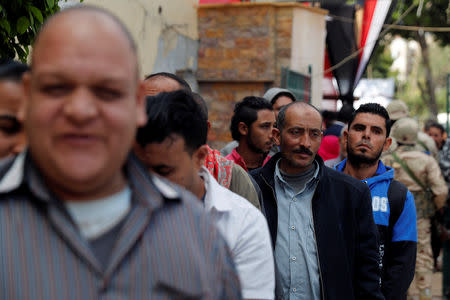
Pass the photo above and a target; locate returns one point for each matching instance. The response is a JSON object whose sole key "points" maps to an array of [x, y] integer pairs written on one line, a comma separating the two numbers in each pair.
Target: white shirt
{"points": [[247, 234]]}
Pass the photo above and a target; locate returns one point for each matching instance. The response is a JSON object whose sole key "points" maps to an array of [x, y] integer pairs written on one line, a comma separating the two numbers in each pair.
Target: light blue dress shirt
{"points": [[296, 262]]}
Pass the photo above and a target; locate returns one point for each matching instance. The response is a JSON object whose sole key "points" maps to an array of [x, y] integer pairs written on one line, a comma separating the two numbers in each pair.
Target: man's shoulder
{"points": [[237, 204], [339, 179], [170, 190]]}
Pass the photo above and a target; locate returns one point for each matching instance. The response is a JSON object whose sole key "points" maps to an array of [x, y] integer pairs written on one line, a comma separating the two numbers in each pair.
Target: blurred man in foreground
{"points": [[79, 217]]}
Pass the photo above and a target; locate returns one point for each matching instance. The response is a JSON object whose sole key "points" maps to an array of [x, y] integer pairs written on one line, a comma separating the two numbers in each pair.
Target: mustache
{"points": [[303, 150]]}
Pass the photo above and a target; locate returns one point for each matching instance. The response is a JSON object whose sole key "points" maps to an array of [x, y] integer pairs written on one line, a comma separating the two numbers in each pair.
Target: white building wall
{"points": [[163, 29], [308, 48]]}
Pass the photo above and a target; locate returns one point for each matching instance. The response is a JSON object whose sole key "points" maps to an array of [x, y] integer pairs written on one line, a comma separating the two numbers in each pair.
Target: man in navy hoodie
{"points": [[392, 204]]}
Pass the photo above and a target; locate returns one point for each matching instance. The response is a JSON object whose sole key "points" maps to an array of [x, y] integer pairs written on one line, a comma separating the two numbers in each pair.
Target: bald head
{"points": [[302, 106], [80, 21], [83, 84]]}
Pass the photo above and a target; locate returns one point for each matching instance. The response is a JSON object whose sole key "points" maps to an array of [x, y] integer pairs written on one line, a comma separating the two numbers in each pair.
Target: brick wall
{"points": [[241, 51], [221, 98], [236, 43]]}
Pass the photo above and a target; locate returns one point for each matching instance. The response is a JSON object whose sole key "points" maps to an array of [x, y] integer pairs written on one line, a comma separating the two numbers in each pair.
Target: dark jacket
{"points": [[346, 235]]}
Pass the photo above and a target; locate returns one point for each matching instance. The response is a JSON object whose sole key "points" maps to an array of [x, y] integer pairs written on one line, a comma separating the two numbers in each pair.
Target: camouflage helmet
{"points": [[405, 131], [397, 109]]}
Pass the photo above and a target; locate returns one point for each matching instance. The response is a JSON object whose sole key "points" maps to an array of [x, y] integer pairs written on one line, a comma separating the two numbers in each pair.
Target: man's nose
{"points": [[305, 139], [80, 106], [366, 133]]}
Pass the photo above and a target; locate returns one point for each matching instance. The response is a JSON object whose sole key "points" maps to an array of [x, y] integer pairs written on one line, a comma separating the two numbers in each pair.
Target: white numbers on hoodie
{"points": [[379, 204]]}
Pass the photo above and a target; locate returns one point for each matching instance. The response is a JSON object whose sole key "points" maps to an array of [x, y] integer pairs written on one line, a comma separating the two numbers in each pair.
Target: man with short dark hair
{"points": [[278, 98], [252, 125], [437, 132], [12, 137], [173, 145], [321, 223], [81, 218], [226, 172], [393, 206]]}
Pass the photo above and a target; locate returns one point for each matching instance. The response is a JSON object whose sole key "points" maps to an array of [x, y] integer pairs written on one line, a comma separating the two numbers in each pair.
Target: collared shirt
{"points": [[296, 260], [237, 158], [166, 248], [247, 234]]}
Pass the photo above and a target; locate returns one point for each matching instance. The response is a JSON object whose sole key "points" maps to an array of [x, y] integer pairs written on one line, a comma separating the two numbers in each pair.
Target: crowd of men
{"points": [[109, 190]]}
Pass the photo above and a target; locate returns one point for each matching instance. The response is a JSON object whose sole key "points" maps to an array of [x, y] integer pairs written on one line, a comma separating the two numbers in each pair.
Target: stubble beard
{"points": [[361, 160], [252, 146]]}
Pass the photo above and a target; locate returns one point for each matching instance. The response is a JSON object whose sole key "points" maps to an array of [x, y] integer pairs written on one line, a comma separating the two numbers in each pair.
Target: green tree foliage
{"points": [[20, 21], [432, 13], [410, 91], [429, 13], [381, 68], [423, 87]]}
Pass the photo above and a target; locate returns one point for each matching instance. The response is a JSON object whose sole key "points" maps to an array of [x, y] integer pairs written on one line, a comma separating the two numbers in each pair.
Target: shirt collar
{"points": [[380, 169], [214, 197], [14, 177], [237, 158], [280, 177]]}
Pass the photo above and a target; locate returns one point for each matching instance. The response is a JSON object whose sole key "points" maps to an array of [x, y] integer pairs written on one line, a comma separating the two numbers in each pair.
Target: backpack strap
{"points": [[408, 171], [396, 196], [423, 145]]}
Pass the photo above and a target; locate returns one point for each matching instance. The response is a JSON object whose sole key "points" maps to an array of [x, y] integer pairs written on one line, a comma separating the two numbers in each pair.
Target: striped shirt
{"points": [[166, 249]]}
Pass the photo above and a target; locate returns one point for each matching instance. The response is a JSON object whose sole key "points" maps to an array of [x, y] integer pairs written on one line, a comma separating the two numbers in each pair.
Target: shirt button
{"points": [[294, 290], [293, 227], [294, 258]]}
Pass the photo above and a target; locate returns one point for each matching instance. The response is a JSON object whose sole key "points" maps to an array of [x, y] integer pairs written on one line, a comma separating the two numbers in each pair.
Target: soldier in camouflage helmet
{"points": [[429, 190], [398, 109]]}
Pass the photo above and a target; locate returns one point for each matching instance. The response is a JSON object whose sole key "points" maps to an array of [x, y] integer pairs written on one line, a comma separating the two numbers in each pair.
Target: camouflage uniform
{"points": [[426, 144], [427, 170], [398, 109]]}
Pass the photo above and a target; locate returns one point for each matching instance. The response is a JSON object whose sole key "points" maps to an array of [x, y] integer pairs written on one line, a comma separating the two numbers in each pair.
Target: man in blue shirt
{"points": [[394, 212]]}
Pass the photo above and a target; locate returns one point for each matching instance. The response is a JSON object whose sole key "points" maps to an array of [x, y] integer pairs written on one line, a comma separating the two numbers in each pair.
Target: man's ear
{"points": [[387, 143], [141, 105], [243, 128], [345, 137], [199, 156], [276, 136], [26, 86]]}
